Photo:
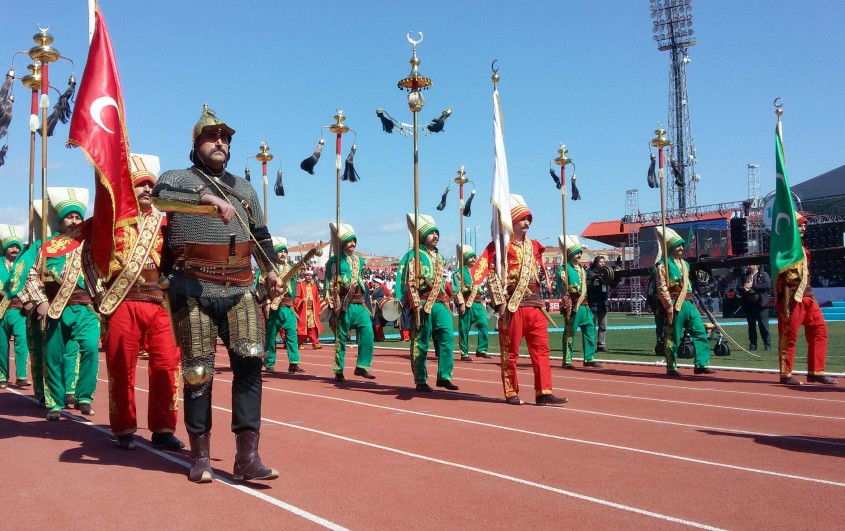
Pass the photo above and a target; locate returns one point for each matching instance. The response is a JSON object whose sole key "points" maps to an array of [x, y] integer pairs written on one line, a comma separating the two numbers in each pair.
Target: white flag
{"points": [[500, 196]]}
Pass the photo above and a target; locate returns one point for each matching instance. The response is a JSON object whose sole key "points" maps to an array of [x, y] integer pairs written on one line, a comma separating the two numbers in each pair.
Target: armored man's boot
{"points": [[248, 464], [200, 461]]}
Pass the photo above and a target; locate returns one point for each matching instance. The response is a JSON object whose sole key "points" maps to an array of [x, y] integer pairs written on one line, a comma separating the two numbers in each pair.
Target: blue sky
{"points": [[584, 73]]}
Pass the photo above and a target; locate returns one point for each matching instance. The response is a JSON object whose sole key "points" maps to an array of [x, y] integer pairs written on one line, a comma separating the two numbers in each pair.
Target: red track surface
{"points": [[631, 449]]}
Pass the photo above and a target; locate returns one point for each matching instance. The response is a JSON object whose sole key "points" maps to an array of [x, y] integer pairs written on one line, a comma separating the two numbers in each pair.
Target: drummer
{"points": [[384, 312]]}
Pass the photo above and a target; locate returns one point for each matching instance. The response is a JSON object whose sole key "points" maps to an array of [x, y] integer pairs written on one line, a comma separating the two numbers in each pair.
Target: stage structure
{"points": [[672, 29]]}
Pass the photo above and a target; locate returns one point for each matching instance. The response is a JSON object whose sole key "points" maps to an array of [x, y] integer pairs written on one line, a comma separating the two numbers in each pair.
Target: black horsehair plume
{"points": [[309, 163], [576, 195], [279, 188], [6, 100], [3, 151], [6, 114], [246, 174], [442, 203], [387, 124], [555, 178], [438, 123], [61, 110], [349, 173], [652, 178], [676, 171], [468, 204]]}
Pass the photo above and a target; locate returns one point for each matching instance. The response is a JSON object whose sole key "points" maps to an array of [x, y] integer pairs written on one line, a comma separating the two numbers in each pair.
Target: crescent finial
{"points": [[412, 41]]}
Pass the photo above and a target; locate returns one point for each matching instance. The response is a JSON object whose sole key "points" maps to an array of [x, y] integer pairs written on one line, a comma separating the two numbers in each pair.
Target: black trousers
{"points": [[757, 316], [214, 316]]}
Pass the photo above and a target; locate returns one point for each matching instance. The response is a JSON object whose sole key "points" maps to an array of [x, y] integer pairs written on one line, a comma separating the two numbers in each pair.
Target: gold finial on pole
{"points": [[778, 105], [562, 160], [264, 157]]}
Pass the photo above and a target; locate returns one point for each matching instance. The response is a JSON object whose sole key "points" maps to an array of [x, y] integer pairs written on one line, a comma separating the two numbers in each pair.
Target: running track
{"points": [[631, 449]]}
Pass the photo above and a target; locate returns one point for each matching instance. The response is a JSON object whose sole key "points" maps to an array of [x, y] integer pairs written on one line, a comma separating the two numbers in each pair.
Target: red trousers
{"points": [[378, 332], [807, 313], [132, 325], [529, 323], [312, 335]]}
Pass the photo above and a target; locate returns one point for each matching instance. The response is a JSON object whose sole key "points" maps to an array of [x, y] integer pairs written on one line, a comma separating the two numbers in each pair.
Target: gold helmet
{"points": [[209, 122]]}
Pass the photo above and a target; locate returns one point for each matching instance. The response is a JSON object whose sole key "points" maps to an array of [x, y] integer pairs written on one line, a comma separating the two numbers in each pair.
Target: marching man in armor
{"points": [[210, 284]]}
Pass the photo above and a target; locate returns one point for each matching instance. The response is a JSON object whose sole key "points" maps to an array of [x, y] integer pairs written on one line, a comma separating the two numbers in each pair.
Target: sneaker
{"points": [[789, 380], [821, 378], [447, 384], [752, 346], [85, 409], [550, 400], [364, 373], [594, 364], [424, 387], [513, 401], [704, 370], [601, 348], [767, 347]]}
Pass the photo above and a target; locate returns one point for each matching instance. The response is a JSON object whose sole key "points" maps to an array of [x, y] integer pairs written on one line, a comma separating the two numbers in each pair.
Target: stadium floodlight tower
{"points": [[672, 28]]}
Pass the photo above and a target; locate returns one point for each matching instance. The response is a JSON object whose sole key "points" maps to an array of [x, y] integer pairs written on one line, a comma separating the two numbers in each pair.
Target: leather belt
{"points": [[79, 296], [441, 297], [216, 263]]}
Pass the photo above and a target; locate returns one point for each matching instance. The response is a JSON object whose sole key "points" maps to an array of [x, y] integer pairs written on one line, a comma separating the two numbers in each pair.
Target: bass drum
{"points": [[325, 314], [391, 310]]}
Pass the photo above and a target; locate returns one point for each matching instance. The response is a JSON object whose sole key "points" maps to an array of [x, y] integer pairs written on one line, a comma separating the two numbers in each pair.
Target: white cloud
{"points": [[305, 230]]}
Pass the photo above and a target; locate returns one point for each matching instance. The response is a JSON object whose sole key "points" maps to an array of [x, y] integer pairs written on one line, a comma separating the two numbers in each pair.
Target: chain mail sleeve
{"points": [[171, 188]]}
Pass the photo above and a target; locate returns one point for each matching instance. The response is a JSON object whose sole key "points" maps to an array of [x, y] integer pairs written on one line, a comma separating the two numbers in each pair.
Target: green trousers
{"points": [[688, 320], [13, 324], [36, 360], [78, 324], [580, 320], [281, 318], [359, 318], [475, 315], [438, 326]]}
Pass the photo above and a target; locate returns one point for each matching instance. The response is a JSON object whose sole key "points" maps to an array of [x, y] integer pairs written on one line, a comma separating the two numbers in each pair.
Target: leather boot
{"points": [[248, 463], [200, 471]]}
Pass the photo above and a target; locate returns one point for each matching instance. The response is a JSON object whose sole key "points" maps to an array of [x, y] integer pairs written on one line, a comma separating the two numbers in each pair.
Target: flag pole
{"points": [[661, 142], [562, 160]]}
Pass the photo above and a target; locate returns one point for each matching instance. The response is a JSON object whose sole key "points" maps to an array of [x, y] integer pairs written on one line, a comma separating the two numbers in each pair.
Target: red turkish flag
{"points": [[98, 128]]}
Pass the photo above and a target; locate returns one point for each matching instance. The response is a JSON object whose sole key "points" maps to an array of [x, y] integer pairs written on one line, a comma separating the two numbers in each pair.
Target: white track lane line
{"points": [[229, 483], [568, 376], [460, 466], [634, 397]]}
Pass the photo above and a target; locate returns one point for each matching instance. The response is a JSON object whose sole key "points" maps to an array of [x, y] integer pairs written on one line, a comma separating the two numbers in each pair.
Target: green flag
{"points": [[785, 249]]}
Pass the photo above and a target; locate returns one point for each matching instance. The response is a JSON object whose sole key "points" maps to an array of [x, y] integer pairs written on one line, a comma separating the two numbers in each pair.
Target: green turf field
{"points": [[638, 345]]}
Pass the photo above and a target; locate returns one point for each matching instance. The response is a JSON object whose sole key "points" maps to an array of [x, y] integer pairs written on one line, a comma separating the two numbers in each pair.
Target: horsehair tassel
{"points": [[652, 176], [3, 151], [576, 195], [442, 204], [387, 124], [468, 204], [246, 174], [279, 188], [349, 173], [555, 178], [61, 110], [309, 163]]}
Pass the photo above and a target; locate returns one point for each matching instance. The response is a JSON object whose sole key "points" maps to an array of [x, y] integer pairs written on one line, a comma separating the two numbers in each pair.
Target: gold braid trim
{"points": [[355, 266], [283, 269], [583, 294], [4, 305], [70, 274], [526, 264], [436, 275], [134, 264], [802, 286], [473, 293], [682, 296]]}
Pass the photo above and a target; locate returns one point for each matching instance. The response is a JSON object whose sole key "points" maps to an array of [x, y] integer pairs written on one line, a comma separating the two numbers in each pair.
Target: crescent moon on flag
{"points": [[777, 219], [97, 108]]}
